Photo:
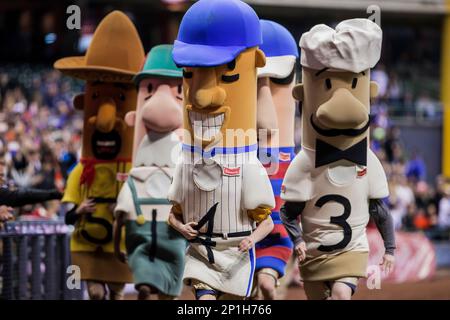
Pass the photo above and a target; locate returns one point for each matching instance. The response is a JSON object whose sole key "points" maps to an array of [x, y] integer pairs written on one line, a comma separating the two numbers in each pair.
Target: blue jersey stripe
{"points": [[275, 216], [276, 186], [271, 262], [270, 242], [219, 150]]}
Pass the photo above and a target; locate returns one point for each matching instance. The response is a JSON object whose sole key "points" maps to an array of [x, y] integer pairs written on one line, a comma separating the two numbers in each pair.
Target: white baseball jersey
{"points": [[231, 177], [337, 201]]}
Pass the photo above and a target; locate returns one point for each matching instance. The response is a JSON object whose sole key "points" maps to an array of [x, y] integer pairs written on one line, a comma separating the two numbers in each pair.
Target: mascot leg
{"points": [[267, 280], [115, 290], [96, 290], [144, 292]]}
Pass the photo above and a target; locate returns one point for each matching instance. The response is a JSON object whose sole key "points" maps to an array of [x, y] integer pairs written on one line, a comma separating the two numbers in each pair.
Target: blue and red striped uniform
{"points": [[275, 250]]}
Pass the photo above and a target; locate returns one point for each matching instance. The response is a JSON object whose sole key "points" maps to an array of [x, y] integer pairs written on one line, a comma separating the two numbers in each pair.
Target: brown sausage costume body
{"points": [[335, 178], [113, 58], [155, 250], [220, 185]]}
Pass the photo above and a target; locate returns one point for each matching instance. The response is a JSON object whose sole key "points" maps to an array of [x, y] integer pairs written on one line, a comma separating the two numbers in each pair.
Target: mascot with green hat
{"points": [[155, 250]]}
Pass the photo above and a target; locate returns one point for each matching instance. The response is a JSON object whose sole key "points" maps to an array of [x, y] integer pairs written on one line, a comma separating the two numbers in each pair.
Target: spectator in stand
{"points": [[422, 194], [426, 107], [444, 210], [67, 157], [6, 213], [392, 141], [394, 90], [401, 198], [408, 221], [22, 197], [433, 231], [380, 76], [421, 221], [416, 170], [441, 185]]}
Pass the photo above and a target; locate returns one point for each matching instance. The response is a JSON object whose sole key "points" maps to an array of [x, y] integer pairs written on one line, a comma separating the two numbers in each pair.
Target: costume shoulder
{"points": [[256, 188], [297, 183], [175, 194], [378, 186], [125, 201], [72, 193]]}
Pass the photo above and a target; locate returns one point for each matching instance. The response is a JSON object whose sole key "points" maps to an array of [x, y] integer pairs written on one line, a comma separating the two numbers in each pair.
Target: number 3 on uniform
{"points": [[339, 220]]}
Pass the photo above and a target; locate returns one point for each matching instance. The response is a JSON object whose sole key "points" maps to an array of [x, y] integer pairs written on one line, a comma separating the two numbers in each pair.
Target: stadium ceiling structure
{"points": [[411, 6]]}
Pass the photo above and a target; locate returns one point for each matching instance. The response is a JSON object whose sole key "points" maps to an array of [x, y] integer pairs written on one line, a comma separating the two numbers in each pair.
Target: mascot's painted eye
{"points": [[180, 89], [121, 96], [354, 83], [230, 79], [150, 88], [187, 75], [231, 65], [328, 83], [95, 95]]}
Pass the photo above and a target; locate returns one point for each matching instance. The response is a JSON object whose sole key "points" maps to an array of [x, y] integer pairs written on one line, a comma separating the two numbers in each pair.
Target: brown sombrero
{"points": [[115, 54]]}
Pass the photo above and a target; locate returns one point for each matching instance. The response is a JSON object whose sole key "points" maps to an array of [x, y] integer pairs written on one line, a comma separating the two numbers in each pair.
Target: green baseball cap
{"points": [[159, 63]]}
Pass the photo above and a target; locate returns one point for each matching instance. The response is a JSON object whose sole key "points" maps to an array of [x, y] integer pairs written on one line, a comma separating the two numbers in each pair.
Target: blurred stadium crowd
{"points": [[40, 140], [39, 133]]}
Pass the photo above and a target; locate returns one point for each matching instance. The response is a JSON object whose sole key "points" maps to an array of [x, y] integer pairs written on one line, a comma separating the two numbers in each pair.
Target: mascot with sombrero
{"points": [[114, 57], [155, 251], [336, 183]]}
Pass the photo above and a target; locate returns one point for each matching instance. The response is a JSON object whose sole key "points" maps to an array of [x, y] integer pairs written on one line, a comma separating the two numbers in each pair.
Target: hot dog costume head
{"points": [[214, 185], [155, 250], [114, 56], [335, 175], [276, 115]]}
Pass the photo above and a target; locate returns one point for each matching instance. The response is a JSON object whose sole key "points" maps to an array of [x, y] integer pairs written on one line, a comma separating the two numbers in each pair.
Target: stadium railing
{"points": [[34, 257]]}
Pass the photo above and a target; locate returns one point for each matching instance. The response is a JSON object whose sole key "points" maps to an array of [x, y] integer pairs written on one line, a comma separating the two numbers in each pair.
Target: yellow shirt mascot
{"points": [[114, 56]]}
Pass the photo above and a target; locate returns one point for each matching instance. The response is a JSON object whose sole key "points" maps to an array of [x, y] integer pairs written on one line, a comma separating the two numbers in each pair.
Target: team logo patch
{"points": [[361, 173], [121, 176], [231, 172], [285, 156]]}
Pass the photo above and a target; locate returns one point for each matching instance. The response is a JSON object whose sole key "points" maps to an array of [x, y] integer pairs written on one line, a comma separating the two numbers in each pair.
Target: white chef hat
{"points": [[354, 46]]}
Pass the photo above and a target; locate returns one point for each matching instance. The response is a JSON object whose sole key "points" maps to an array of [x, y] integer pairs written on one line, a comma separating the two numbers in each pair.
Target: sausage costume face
{"points": [[276, 114], [214, 185], [335, 175], [155, 250], [113, 58]]}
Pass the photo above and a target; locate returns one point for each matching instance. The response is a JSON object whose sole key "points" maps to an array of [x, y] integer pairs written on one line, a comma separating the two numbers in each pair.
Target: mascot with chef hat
{"points": [[336, 183]]}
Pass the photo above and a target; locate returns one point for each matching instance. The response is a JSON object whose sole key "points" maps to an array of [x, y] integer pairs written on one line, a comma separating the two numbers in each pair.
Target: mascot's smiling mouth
{"points": [[207, 126], [106, 146]]}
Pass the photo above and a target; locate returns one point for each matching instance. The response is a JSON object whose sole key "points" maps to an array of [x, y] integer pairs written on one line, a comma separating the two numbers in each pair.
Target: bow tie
{"points": [[326, 153]]}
